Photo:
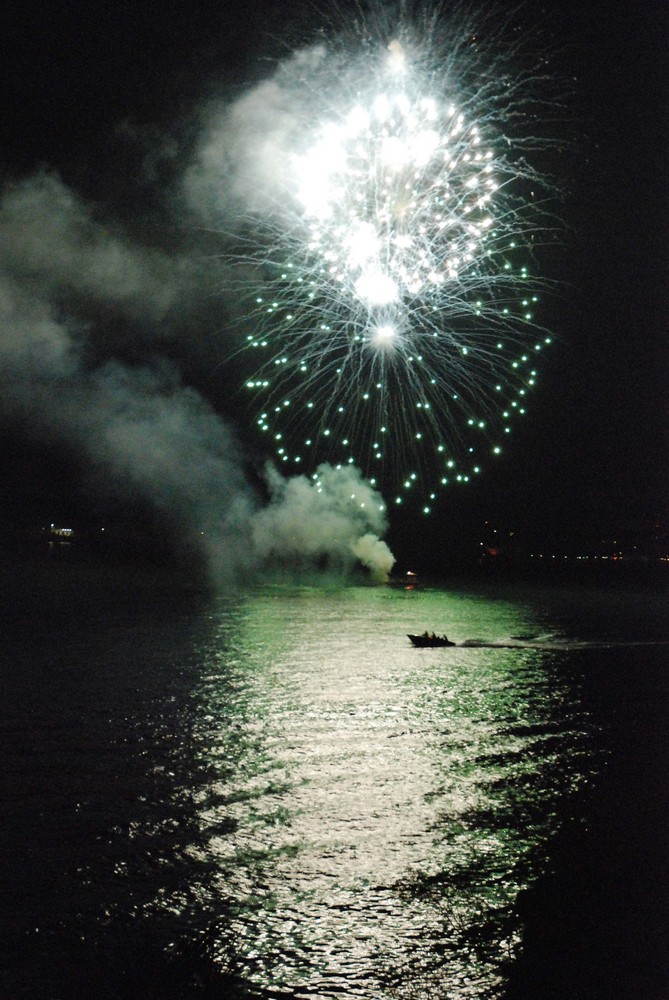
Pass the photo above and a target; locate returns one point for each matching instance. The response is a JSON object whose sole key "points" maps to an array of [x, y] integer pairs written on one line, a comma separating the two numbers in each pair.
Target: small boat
{"points": [[430, 640]]}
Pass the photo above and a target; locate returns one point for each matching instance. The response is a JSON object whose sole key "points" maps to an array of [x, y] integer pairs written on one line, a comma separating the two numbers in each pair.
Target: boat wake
{"points": [[558, 644]]}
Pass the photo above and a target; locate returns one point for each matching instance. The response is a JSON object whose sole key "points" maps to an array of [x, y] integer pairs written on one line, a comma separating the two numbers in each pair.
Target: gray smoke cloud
{"points": [[248, 146], [336, 516], [51, 243], [68, 272]]}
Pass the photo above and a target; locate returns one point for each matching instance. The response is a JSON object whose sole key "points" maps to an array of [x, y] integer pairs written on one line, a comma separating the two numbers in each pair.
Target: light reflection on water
{"points": [[374, 809]]}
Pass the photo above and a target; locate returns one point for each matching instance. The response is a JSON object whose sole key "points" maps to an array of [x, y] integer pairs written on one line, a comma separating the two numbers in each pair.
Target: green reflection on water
{"points": [[374, 809]]}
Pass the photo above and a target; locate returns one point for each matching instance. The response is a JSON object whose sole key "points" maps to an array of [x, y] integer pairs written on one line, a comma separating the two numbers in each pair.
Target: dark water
{"points": [[275, 795]]}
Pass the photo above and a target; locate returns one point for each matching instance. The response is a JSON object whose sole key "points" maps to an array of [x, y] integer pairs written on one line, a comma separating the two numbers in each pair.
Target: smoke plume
{"points": [[86, 312]]}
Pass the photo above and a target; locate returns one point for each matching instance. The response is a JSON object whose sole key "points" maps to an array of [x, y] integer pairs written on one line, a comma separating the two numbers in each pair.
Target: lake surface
{"points": [[273, 794]]}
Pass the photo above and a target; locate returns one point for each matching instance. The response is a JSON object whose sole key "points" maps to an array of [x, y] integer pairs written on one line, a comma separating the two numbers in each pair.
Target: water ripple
{"points": [[372, 817]]}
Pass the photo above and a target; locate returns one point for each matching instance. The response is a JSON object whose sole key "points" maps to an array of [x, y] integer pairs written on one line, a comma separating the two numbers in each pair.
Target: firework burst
{"points": [[393, 300]]}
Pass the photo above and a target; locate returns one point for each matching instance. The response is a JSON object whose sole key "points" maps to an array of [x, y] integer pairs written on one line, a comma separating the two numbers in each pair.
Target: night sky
{"points": [[105, 102]]}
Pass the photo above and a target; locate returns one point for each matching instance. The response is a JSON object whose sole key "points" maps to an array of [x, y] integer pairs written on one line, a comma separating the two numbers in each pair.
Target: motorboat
{"points": [[430, 639]]}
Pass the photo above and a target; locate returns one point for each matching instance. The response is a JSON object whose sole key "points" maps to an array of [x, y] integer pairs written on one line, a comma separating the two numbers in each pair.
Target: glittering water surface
{"points": [[278, 794], [380, 804]]}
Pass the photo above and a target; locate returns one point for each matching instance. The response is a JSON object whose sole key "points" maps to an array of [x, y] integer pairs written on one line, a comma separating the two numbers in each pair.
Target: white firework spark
{"points": [[394, 305]]}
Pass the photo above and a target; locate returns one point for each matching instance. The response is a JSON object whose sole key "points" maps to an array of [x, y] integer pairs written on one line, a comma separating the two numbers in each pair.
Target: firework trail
{"points": [[387, 258]]}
